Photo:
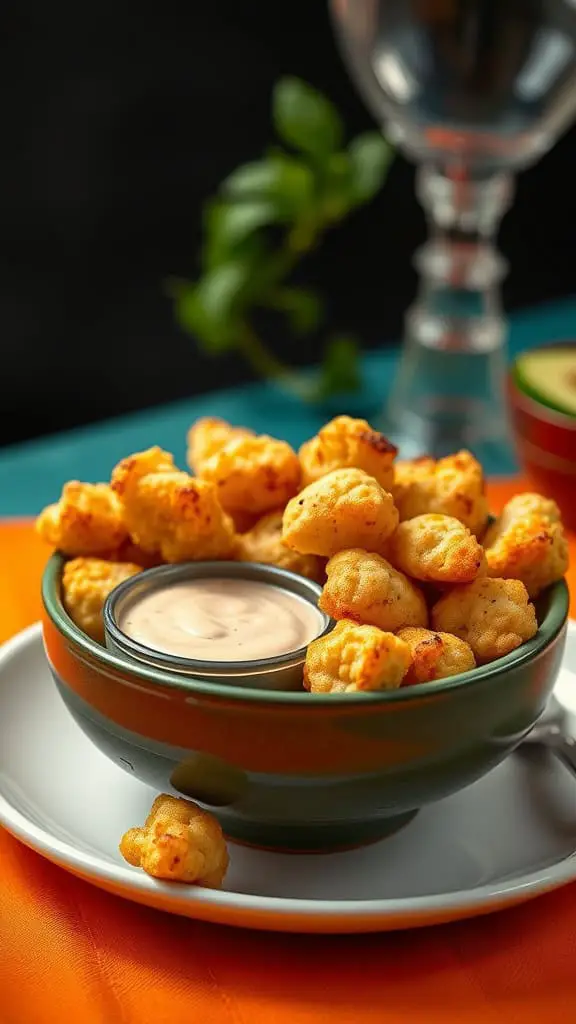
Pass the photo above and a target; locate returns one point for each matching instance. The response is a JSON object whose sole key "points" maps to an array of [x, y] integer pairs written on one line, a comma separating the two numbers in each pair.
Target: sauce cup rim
{"points": [[301, 587]]}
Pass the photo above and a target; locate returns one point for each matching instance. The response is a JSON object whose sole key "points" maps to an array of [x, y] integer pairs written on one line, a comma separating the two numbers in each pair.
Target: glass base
{"points": [[416, 434]]}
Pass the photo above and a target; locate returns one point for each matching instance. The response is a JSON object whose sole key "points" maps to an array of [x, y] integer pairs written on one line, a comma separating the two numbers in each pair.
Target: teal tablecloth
{"points": [[32, 474]]}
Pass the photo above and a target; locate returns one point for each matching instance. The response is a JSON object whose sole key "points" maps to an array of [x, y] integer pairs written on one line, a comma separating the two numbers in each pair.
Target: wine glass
{"points": [[473, 90]]}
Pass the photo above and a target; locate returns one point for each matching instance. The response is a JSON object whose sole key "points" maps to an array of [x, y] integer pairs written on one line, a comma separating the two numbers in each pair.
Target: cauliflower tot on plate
{"points": [[179, 842], [493, 616], [170, 512], [86, 583], [87, 520], [453, 486], [355, 658], [364, 587], [435, 655], [348, 443], [436, 548], [344, 509]]}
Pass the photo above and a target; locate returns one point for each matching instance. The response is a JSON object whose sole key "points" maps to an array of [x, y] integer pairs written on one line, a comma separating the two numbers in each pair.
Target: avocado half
{"points": [[548, 375]]}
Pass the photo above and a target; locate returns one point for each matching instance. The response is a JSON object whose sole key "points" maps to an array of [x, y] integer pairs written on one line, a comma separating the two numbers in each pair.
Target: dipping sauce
{"points": [[211, 619]]}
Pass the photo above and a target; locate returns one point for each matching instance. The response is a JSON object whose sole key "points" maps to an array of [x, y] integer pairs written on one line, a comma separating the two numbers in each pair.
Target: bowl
{"points": [[296, 771], [281, 672], [545, 440]]}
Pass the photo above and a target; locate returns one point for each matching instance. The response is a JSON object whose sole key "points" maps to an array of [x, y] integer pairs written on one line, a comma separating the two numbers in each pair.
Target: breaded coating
{"points": [[170, 512], [253, 474], [263, 543], [178, 843], [531, 549], [87, 520], [346, 443], [207, 436], [433, 547], [86, 583], [355, 658], [435, 655], [453, 486], [493, 616], [519, 507], [364, 587], [344, 509]]}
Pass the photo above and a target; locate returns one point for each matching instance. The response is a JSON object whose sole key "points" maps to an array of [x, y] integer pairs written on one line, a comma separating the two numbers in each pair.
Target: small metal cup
{"points": [[282, 672]]}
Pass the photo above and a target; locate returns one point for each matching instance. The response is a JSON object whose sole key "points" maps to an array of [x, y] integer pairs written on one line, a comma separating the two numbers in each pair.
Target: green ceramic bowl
{"points": [[296, 771]]}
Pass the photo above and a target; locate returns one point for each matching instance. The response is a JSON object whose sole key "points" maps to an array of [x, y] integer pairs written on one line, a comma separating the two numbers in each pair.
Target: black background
{"points": [[116, 125]]}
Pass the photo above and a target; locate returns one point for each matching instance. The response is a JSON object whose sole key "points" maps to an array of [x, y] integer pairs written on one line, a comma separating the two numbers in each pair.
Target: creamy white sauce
{"points": [[221, 620]]}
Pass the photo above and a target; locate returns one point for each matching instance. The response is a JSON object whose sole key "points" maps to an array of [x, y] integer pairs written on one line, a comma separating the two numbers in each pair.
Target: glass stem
{"points": [[449, 390]]}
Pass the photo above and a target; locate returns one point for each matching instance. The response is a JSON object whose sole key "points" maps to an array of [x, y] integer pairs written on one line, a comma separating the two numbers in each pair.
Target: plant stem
{"points": [[265, 364]]}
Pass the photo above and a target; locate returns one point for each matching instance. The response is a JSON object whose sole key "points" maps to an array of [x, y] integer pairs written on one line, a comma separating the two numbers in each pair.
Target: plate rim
{"points": [[463, 902]]}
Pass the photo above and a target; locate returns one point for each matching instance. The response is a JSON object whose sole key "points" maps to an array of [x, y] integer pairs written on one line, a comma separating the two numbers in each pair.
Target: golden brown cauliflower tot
{"points": [[170, 512], [433, 547], [87, 520], [178, 843], [347, 443], [263, 543], [344, 509], [435, 655], [520, 507], [453, 486], [493, 616], [86, 583], [364, 587], [253, 474], [355, 658], [531, 549], [207, 436]]}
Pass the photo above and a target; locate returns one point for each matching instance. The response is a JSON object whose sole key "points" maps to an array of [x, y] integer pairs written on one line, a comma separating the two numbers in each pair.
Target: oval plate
{"points": [[506, 839]]}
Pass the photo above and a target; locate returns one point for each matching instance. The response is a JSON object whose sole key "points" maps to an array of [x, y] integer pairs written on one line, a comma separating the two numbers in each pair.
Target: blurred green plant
{"points": [[267, 216]]}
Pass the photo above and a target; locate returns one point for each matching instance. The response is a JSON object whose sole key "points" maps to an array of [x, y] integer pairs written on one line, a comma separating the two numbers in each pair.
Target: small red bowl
{"points": [[546, 445]]}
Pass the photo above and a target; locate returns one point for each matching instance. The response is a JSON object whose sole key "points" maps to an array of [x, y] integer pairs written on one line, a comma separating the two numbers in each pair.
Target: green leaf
{"points": [[232, 230], [283, 180], [340, 367], [370, 157], [302, 307], [306, 119], [210, 309]]}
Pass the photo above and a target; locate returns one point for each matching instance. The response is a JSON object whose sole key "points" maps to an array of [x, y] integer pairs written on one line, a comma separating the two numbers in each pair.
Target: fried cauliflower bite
{"points": [[435, 655], [531, 549], [170, 512], [253, 474], [263, 543], [365, 588], [354, 658], [344, 509], [453, 486], [493, 616], [87, 520], [519, 507], [346, 443], [86, 583], [207, 436], [178, 843], [433, 547]]}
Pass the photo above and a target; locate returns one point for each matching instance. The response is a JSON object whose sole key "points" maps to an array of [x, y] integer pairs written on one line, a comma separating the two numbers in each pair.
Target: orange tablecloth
{"points": [[67, 949]]}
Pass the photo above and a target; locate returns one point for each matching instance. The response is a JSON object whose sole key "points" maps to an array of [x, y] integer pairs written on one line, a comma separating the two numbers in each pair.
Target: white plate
{"points": [[506, 839]]}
